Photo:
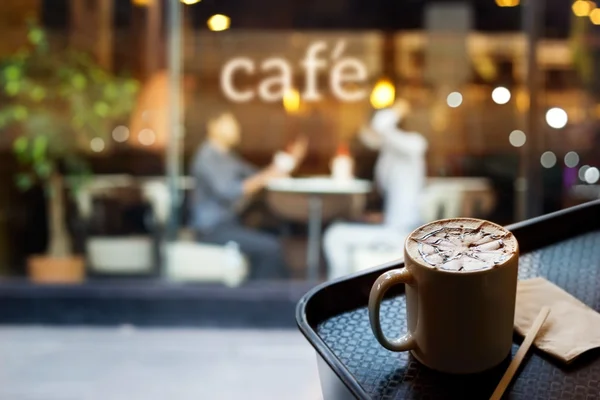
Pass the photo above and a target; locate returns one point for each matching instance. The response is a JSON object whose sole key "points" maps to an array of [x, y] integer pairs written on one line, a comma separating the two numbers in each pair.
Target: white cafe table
{"points": [[316, 188]]}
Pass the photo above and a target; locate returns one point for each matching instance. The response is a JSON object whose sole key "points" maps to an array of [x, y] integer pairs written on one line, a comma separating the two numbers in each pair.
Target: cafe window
{"points": [[249, 137]]}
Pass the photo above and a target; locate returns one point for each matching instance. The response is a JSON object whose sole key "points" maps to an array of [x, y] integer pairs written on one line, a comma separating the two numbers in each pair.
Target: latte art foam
{"points": [[458, 245]]}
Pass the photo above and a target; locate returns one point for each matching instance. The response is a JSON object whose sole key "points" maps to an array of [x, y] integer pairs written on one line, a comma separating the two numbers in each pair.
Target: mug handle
{"points": [[383, 284]]}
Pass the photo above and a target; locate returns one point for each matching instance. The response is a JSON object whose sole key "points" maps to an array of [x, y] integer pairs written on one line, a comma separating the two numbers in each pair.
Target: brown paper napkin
{"points": [[572, 328]]}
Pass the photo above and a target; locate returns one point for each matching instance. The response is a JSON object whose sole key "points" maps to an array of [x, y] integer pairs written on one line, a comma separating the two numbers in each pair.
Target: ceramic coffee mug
{"points": [[460, 320]]}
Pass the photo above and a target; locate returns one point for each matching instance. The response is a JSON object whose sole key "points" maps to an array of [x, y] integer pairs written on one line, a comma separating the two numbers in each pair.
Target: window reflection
{"points": [[199, 163], [279, 144]]}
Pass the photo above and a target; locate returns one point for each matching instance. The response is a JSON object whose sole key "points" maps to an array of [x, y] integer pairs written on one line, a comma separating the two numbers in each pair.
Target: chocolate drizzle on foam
{"points": [[464, 249]]}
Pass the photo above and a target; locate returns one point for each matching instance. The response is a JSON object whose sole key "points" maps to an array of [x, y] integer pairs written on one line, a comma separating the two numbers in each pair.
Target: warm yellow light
{"points": [[507, 3], [522, 101], [190, 2], [485, 67], [383, 94], [141, 3], [595, 16], [576, 115], [439, 121], [583, 8], [291, 101], [218, 22]]}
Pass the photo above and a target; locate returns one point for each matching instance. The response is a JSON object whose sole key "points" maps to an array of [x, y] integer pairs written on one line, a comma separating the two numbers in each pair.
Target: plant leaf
{"points": [[43, 169], [24, 181], [40, 146], [20, 144]]}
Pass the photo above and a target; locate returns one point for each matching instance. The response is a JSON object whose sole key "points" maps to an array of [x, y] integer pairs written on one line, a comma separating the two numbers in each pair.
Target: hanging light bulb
{"points": [[383, 94]]}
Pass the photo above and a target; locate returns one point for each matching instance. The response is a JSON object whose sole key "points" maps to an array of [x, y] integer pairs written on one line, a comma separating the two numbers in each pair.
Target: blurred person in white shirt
{"points": [[400, 174]]}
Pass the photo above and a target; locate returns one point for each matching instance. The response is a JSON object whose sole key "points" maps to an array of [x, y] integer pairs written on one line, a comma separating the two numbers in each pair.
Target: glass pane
{"points": [[503, 95], [206, 163]]}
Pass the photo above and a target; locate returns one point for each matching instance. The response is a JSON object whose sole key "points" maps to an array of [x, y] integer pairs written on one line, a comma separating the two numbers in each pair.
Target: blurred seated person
{"points": [[400, 176], [224, 183]]}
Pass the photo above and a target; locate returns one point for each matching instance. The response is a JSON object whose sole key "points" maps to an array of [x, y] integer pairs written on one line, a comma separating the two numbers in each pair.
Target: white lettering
{"points": [[346, 76], [229, 69], [311, 64], [348, 70], [273, 88]]}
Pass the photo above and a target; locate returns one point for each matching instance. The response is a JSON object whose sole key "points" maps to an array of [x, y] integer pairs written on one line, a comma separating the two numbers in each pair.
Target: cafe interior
{"points": [[201, 198], [509, 135]]}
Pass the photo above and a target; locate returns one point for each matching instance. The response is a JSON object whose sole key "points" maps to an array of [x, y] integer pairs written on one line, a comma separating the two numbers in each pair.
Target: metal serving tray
{"points": [[563, 247]]}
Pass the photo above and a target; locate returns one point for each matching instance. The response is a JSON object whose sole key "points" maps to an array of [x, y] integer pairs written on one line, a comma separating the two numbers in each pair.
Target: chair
{"points": [[185, 259], [116, 245]]}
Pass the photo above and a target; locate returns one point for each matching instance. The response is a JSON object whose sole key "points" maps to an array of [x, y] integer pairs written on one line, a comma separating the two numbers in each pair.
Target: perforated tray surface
{"points": [[573, 264]]}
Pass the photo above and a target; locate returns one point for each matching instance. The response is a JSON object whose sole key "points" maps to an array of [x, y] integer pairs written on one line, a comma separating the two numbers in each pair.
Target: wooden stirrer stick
{"points": [[516, 362]]}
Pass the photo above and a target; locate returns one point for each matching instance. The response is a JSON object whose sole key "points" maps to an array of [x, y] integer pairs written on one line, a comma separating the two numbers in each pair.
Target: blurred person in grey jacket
{"points": [[223, 183]]}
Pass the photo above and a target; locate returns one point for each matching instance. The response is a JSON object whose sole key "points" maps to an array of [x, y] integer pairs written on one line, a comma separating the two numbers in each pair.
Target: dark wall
{"points": [[23, 225]]}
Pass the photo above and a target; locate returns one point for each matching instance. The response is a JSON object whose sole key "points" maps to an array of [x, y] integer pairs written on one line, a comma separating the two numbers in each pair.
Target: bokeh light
{"points": [[501, 95], [522, 100], [507, 3], [571, 159], [454, 99], [595, 16], [517, 138], [190, 2], [218, 22], [557, 118], [581, 173], [383, 94], [577, 115], [291, 101], [97, 145], [520, 184], [485, 67], [147, 137], [592, 175], [548, 159], [583, 8], [120, 134]]}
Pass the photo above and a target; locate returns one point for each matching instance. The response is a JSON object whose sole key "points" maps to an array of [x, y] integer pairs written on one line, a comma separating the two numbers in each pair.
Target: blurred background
{"points": [[135, 246]]}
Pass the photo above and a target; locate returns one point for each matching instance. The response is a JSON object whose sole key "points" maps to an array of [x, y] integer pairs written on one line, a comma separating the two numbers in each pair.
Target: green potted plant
{"points": [[55, 103]]}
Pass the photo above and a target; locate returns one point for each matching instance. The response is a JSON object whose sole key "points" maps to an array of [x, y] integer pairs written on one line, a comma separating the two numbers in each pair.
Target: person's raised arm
{"points": [[298, 149], [385, 123], [404, 143]]}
